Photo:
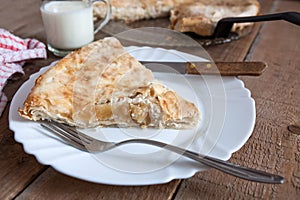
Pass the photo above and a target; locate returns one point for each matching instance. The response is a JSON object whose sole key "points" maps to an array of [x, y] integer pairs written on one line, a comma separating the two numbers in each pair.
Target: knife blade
{"points": [[253, 68]]}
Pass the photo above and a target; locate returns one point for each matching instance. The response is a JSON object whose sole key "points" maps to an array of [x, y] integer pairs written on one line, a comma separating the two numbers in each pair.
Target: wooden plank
{"points": [[53, 185], [22, 19], [271, 147], [18, 169]]}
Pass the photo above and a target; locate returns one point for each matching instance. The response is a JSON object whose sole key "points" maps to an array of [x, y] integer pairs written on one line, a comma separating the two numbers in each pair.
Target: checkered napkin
{"points": [[14, 51]]}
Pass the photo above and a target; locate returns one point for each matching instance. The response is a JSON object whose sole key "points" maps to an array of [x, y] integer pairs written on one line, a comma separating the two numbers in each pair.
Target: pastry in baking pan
{"points": [[201, 16], [134, 10], [198, 16], [103, 85]]}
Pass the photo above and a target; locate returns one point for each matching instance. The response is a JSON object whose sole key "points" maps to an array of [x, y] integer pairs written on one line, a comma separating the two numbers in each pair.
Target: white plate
{"points": [[228, 117]]}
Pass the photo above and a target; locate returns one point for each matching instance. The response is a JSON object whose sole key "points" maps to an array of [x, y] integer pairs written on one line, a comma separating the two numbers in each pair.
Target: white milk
{"points": [[68, 24]]}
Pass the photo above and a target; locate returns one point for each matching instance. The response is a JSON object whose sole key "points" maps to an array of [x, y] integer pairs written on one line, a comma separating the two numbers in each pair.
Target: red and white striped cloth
{"points": [[14, 51]]}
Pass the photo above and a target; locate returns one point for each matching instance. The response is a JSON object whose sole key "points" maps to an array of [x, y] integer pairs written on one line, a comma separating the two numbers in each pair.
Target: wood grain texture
{"points": [[271, 147], [53, 185], [17, 169]]}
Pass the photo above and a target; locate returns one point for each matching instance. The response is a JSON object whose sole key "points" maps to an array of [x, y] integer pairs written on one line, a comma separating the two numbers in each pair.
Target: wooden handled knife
{"points": [[206, 68]]}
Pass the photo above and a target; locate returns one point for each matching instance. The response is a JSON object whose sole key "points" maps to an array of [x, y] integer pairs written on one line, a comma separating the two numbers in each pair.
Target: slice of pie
{"points": [[202, 16], [103, 85]]}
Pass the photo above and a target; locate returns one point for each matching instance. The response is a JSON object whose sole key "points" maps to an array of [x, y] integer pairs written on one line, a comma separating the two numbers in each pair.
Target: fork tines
{"points": [[67, 133]]}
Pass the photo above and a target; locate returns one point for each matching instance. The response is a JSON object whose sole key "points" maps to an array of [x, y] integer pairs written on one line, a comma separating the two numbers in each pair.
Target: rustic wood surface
{"points": [[274, 145]]}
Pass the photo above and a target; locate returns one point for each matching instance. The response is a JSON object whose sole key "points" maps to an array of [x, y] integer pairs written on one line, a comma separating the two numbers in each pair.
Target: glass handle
{"points": [[107, 17]]}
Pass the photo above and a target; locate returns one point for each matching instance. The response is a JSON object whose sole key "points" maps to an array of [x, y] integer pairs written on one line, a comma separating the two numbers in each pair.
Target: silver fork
{"points": [[84, 142]]}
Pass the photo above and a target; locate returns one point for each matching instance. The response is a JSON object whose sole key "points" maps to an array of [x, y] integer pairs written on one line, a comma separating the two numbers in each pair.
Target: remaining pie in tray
{"points": [[198, 16], [103, 85], [134, 10], [202, 16]]}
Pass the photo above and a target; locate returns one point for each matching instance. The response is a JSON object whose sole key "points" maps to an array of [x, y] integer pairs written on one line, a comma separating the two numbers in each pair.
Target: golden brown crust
{"points": [[102, 85], [202, 16]]}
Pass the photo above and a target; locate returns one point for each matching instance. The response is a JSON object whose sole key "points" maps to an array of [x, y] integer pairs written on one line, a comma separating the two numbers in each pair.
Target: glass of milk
{"points": [[69, 24]]}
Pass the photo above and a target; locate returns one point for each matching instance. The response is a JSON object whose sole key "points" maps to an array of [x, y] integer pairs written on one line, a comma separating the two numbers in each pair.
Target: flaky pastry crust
{"points": [[134, 10], [202, 16], [102, 85]]}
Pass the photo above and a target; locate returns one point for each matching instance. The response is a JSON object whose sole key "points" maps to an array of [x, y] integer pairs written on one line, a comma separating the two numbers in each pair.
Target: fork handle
{"points": [[229, 168], [224, 25]]}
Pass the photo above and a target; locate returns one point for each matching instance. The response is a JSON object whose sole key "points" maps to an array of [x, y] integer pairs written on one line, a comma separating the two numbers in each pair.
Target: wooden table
{"points": [[274, 145]]}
